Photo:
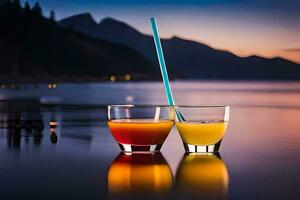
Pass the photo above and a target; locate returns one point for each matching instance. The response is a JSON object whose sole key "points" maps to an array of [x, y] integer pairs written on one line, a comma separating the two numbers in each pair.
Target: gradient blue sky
{"points": [[245, 27]]}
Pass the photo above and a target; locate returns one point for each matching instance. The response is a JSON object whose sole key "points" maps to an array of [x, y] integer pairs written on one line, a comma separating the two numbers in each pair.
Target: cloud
{"points": [[292, 50]]}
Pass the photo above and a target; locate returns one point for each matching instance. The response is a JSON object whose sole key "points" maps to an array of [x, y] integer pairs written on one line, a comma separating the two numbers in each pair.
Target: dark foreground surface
{"points": [[67, 152]]}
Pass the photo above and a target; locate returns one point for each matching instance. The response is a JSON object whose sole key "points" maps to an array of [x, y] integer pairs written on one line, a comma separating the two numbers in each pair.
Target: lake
{"points": [[55, 144]]}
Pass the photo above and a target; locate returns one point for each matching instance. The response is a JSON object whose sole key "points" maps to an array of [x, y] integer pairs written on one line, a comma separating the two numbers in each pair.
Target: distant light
{"points": [[3, 85], [129, 98], [127, 77], [54, 85], [49, 85], [53, 123], [113, 78]]}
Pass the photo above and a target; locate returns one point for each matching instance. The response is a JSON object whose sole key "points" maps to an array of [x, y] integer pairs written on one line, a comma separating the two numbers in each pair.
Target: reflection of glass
{"points": [[140, 128], [139, 175], [202, 176], [203, 127]]}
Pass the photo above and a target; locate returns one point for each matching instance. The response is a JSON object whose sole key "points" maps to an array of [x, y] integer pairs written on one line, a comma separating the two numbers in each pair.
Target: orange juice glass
{"points": [[140, 128], [202, 127]]}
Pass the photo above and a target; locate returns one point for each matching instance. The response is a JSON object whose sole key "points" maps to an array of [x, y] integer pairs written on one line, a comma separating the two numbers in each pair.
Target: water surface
{"points": [[78, 158]]}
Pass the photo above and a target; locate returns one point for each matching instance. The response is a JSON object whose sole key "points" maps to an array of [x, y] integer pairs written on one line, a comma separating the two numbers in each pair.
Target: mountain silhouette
{"points": [[33, 48], [187, 58]]}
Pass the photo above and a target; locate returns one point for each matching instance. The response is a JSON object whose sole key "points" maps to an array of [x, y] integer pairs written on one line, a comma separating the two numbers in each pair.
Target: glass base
{"points": [[127, 148], [202, 149]]}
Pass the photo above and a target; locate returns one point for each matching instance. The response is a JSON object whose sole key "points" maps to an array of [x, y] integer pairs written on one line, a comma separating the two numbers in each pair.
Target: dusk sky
{"points": [[267, 28]]}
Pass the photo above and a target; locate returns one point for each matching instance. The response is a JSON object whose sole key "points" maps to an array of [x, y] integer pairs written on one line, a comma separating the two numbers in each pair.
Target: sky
{"points": [[268, 28]]}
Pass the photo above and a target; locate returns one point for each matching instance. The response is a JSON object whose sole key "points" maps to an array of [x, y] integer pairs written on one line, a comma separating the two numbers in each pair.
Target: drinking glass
{"points": [[140, 128], [202, 128]]}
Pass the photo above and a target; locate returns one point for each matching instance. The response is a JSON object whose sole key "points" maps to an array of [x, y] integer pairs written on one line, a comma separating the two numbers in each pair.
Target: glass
{"points": [[140, 128], [202, 128], [202, 177], [139, 175]]}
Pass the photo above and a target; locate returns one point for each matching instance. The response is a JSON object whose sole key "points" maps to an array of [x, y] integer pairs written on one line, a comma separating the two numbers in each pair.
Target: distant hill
{"points": [[33, 48], [191, 59]]}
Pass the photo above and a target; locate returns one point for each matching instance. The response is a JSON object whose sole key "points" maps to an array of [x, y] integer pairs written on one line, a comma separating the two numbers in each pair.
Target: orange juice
{"points": [[205, 133], [140, 131]]}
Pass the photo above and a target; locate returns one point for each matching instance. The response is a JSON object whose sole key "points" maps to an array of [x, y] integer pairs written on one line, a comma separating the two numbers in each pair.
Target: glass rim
{"points": [[202, 106], [164, 106], [137, 106]]}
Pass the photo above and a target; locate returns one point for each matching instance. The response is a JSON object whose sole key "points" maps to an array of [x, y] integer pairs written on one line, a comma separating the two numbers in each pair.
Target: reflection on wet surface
{"points": [[139, 176], [21, 119], [148, 176], [53, 135], [202, 177]]}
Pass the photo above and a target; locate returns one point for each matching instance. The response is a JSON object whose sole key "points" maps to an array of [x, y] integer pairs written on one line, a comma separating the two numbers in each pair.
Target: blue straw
{"points": [[163, 67], [162, 63]]}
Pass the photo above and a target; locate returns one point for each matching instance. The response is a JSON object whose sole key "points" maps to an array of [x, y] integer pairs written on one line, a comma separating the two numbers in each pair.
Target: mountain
{"points": [[190, 59], [33, 48]]}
